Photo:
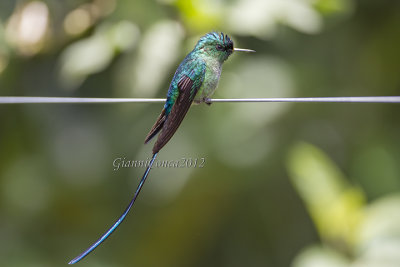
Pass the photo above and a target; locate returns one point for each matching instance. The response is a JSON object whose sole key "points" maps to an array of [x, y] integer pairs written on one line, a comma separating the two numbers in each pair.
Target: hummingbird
{"points": [[194, 81]]}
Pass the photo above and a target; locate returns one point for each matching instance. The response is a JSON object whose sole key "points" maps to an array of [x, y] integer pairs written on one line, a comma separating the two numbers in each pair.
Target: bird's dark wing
{"points": [[187, 90], [156, 127]]}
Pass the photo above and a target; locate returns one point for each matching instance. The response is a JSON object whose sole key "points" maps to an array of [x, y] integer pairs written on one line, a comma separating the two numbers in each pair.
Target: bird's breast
{"points": [[211, 79]]}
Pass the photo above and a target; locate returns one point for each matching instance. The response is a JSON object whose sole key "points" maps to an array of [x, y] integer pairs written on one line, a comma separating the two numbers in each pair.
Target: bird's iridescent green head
{"points": [[217, 45]]}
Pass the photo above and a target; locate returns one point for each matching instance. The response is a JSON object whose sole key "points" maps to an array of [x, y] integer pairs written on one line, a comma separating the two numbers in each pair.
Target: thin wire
{"points": [[352, 99], [72, 100]]}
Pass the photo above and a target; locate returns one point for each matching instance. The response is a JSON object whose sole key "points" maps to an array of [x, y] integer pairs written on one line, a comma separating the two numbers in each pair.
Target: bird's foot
{"points": [[207, 101]]}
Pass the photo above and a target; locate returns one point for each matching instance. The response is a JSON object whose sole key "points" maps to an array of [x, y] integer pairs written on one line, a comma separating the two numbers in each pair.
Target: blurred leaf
{"points": [[4, 51], [334, 6], [28, 26], [318, 256], [199, 14], [382, 221], [95, 53], [158, 51], [335, 206], [261, 17]]}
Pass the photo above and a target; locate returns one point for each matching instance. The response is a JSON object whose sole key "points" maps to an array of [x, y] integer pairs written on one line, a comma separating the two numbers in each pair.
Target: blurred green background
{"points": [[301, 185]]}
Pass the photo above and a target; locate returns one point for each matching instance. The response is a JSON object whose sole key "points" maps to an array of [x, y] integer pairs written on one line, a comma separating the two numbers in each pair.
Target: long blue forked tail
{"points": [[119, 221]]}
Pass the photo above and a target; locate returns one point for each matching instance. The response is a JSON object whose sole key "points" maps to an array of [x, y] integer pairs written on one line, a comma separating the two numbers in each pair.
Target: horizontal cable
{"points": [[352, 99], [70, 100]]}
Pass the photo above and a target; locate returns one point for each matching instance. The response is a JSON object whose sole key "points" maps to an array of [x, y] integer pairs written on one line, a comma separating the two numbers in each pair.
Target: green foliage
{"points": [[353, 233], [335, 206]]}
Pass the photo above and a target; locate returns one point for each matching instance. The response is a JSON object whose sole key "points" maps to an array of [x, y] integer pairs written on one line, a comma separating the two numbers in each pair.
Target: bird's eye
{"points": [[219, 47]]}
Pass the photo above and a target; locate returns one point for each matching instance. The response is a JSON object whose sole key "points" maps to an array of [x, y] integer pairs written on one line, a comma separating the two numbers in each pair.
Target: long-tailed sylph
{"points": [[195, 80]]}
